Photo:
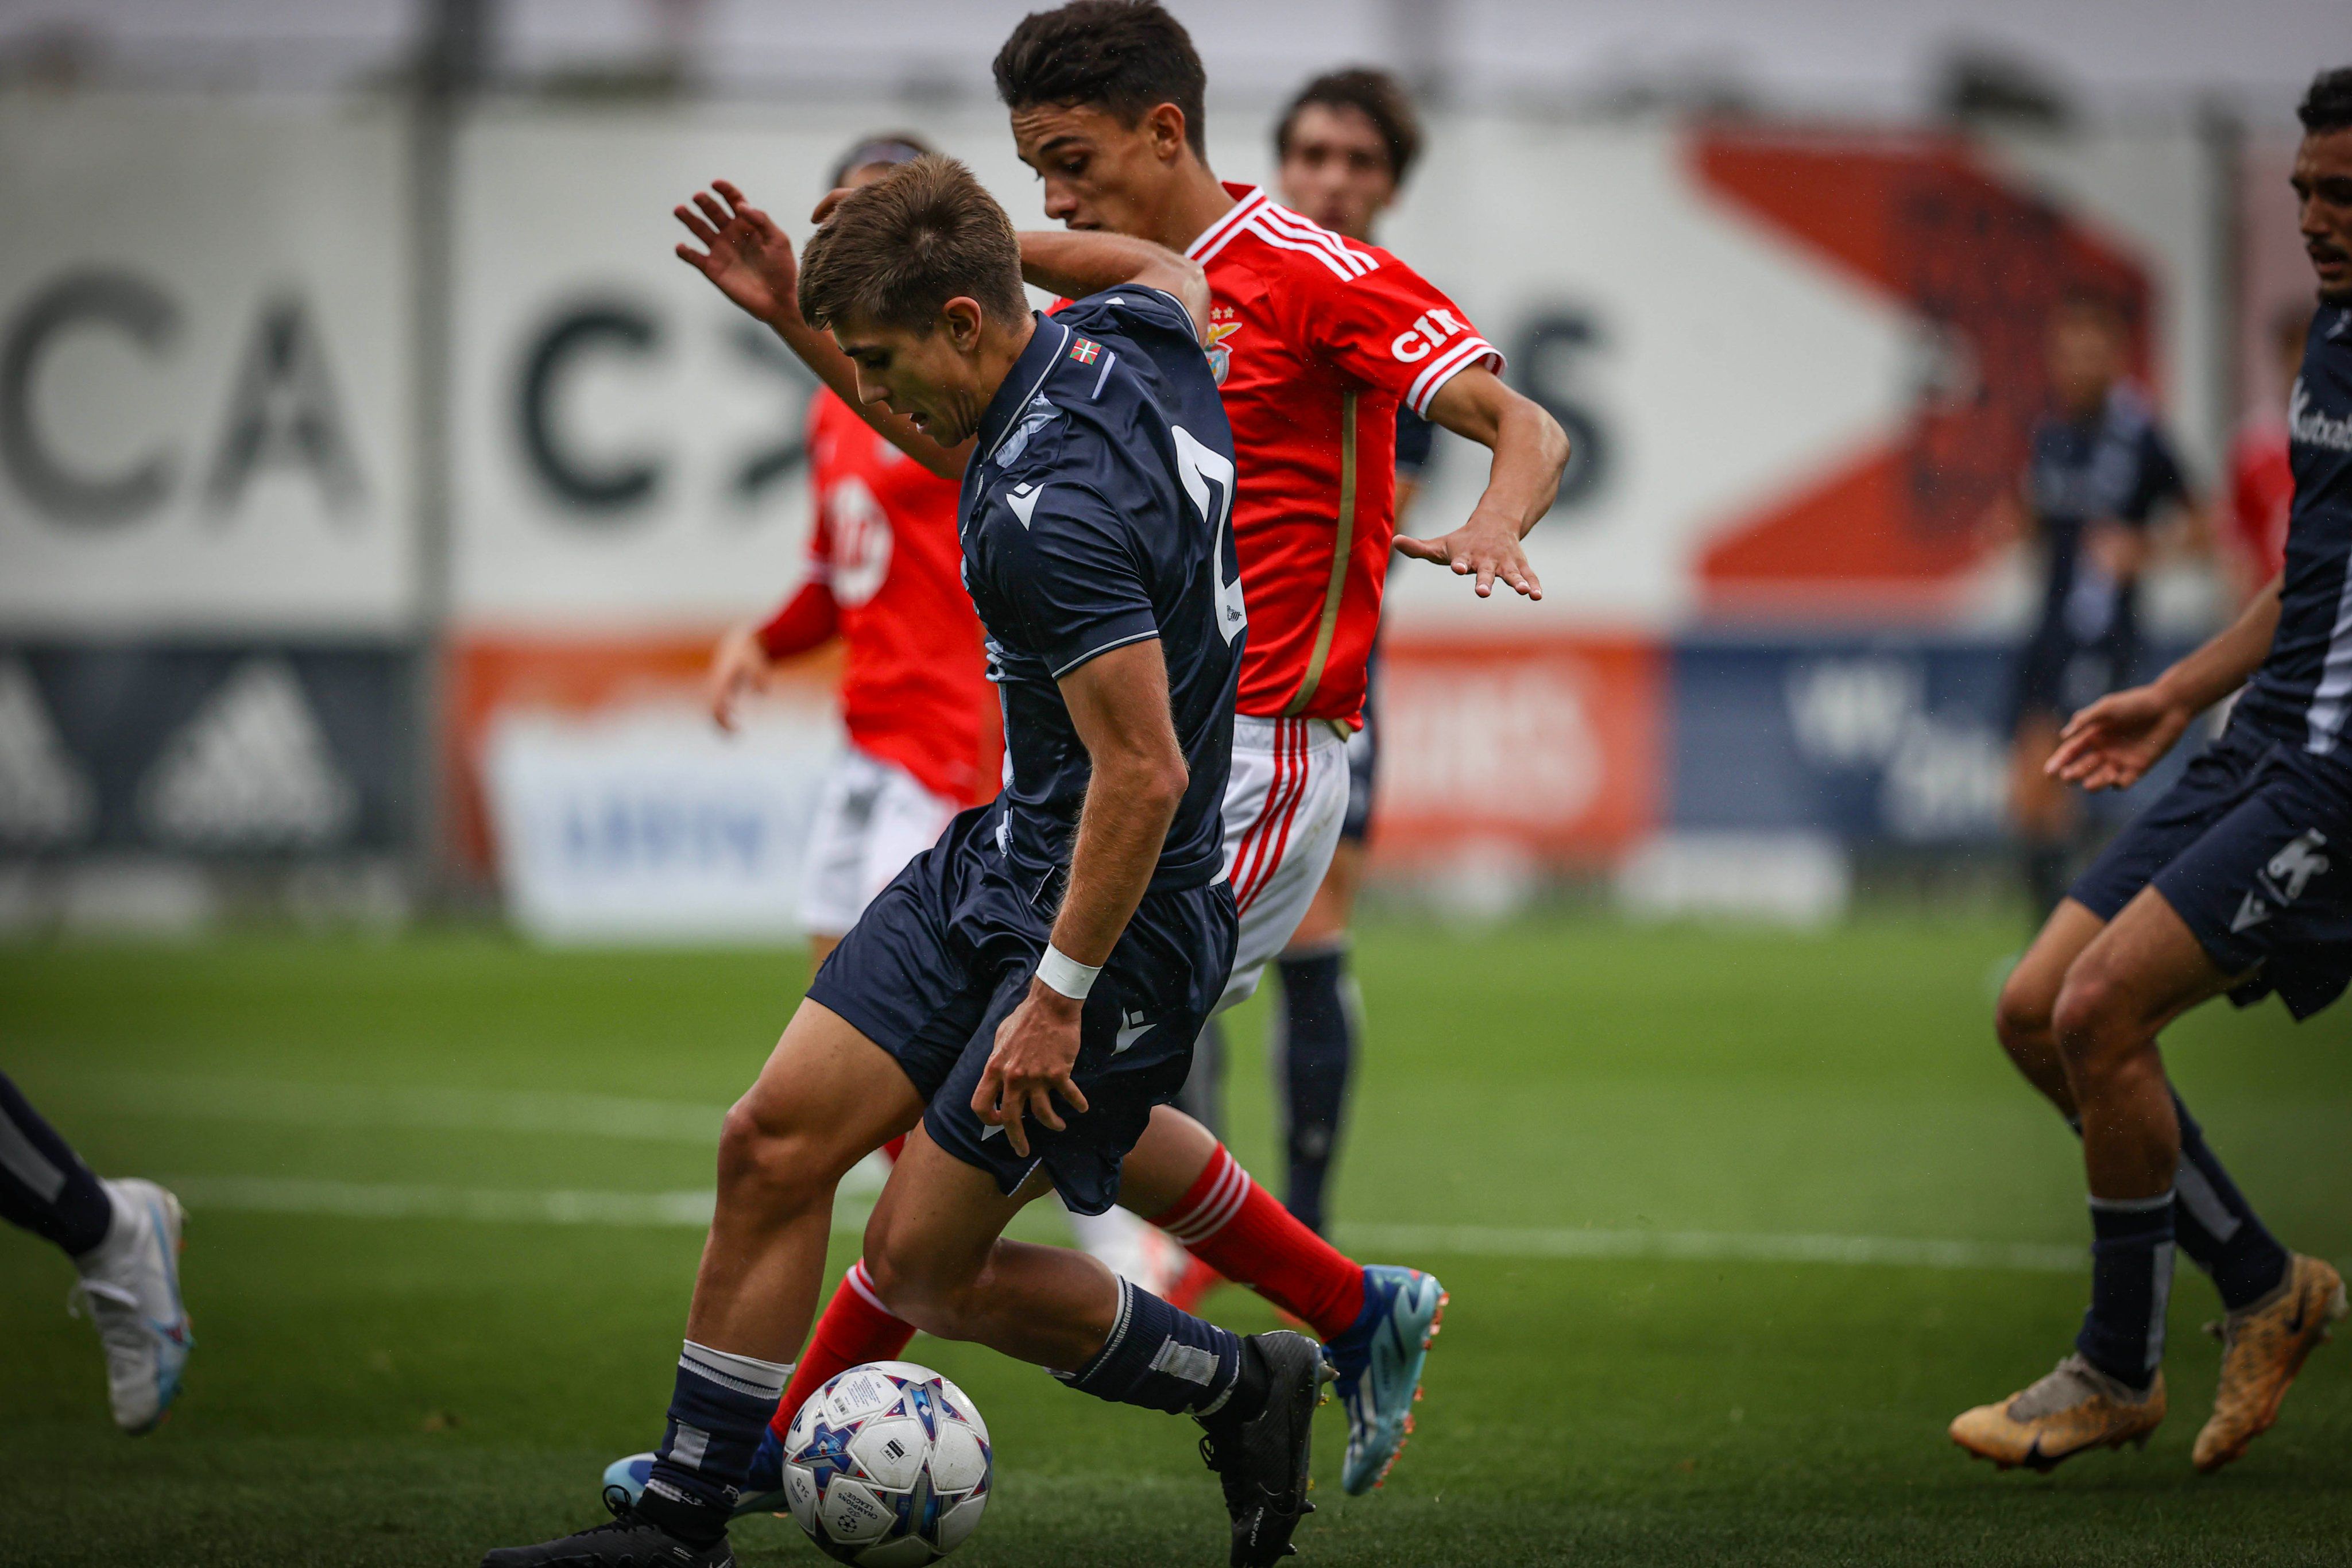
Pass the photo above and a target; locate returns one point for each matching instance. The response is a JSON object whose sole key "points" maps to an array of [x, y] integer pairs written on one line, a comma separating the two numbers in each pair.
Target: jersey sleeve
{"points": [[1073, 572], [1151, 318], [1381, 323]]}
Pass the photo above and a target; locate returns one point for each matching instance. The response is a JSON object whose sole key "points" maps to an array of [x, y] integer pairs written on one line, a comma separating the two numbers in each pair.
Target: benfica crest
{"points": [[1220, 357]]}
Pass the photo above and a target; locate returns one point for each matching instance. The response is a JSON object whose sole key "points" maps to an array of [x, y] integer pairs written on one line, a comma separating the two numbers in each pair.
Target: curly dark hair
{"points": [[1128, 56], [2327, 104], [1376, 95]]}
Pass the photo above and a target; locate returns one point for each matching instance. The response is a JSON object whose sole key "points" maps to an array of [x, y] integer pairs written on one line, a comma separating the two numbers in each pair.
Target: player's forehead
{"points": [[1042, 130], [2324, 157], [1337, 127]]}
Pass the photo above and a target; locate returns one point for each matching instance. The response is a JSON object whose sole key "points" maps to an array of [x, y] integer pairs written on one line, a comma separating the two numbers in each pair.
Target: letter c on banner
{"points": [[140, 312], [615, 485]]}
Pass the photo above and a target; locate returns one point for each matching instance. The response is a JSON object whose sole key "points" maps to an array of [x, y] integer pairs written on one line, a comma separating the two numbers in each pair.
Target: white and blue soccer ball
{"points": [[887, 1465]]}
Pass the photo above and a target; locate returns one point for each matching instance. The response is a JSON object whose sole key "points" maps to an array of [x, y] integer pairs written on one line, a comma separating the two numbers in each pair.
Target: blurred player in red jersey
{"points": [[2262, 484], [885, 577], [1315, 342]]}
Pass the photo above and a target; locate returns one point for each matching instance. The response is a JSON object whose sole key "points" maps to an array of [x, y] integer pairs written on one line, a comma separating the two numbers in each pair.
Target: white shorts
{"points": [[1285, 804], [872, 817]]}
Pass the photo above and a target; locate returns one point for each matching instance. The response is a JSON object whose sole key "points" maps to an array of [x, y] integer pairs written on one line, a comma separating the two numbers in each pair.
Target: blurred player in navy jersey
{"points": [[124, 1238], [1343, 148], [2102, 473], [2237, 881]]}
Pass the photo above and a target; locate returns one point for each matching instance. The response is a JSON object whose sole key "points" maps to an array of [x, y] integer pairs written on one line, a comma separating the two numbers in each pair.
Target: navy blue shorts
{"points": [[1363, 762], [2059, 673], [945, 953], [2252, 848]]}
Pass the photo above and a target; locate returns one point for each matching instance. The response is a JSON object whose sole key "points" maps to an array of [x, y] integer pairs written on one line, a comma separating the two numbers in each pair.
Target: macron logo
{"points": [[1023, 499]]}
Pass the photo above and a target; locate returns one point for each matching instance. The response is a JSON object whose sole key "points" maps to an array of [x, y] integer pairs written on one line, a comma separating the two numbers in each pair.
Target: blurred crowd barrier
{"points": [[1796, 363]]}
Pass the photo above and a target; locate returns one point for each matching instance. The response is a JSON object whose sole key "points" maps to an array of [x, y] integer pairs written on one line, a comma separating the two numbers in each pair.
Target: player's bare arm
{"points": [[1119, 705], [1079, 262], [748, 258], [739, 665], [1530, 452], [2112, 744]]}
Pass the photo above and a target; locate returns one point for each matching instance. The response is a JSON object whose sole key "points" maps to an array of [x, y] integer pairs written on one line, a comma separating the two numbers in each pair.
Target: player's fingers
{"points": [[695, 225], [727, 189], [718, 215], [1421, 550], [1015, 1132], [1067, 1088], [1039, 1103], [694, 258]]}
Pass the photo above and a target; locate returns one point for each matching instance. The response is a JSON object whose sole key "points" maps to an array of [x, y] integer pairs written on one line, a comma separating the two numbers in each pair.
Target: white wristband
{"points": [[1062, 973]]}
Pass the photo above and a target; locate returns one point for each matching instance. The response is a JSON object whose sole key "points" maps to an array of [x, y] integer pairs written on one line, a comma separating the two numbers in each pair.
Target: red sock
{"points": [[1233, 1225], [856, 1328]]}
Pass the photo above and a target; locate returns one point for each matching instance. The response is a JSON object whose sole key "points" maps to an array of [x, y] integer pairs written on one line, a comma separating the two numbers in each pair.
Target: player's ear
{"points": [[962, 319], [1164, 124]]}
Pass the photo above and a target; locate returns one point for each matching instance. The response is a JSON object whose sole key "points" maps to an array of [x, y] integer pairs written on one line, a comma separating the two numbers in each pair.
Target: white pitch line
{"points": [[508, 1206]]}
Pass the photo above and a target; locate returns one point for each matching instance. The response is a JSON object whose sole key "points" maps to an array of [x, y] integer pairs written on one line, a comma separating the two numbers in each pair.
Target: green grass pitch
{"points": [[412, 1388]]}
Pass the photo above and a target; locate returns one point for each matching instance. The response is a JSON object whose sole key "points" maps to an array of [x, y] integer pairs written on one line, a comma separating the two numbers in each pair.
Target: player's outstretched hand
{"points": [[1486, 546], [1029, 1064], [738, 665], [2112, 744], [744, 252]]}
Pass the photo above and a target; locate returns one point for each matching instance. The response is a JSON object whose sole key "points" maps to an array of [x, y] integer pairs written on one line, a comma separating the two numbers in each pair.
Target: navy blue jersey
{"points": [[2116, 468], [2299, 694], [1416, 439], [1097, 512]]}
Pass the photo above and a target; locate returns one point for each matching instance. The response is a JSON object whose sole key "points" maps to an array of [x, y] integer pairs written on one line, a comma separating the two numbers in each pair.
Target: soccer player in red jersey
{"points": [[2261, 482], [1315, 341]]}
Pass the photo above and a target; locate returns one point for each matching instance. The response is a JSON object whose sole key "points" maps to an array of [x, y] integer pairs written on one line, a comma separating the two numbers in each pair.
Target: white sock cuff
{"points": [[2131, 1205], [859, 1280], [743, 1374]]}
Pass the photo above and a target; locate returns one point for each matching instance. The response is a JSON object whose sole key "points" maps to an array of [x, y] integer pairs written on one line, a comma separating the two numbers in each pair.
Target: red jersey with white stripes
{"points": [[914, 688], [1315, 340]]}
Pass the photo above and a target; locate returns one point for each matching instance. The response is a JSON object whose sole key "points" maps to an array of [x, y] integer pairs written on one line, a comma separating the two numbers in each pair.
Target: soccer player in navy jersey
{"points": [[1026, 992], [2102, 476], [2237, 881]]}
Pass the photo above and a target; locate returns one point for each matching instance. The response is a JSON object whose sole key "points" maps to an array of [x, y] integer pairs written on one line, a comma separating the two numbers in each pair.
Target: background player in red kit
{"points": [[1315, 342]]}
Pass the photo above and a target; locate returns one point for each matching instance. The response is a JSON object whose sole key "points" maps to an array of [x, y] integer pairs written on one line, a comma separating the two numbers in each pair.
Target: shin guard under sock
{"points": [[856, 1328], [1318, 1048], [2217, 1227], [717, 1415], [1161, 1359], [1231, 1223], [44, 1186], [2131, 1283]]}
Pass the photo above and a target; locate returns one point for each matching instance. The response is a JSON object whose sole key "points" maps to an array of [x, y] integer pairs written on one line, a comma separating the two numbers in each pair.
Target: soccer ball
{"points": [[887, 1465]]}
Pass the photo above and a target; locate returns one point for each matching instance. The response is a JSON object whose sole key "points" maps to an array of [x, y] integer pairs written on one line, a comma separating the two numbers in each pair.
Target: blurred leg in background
{"points": [[124, 1238]]}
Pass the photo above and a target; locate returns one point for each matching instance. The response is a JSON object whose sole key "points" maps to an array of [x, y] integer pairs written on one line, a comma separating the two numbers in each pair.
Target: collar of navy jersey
{"points": [[1022, 383]]}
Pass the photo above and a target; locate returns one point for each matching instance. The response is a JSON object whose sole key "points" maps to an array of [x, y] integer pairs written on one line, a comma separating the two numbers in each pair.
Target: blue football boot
{"points": [[763, 1491], [1378, 1361]]}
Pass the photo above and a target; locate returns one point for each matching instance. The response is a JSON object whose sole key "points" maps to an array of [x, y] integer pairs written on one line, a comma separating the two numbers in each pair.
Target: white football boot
{"points": [[131, 1282]]}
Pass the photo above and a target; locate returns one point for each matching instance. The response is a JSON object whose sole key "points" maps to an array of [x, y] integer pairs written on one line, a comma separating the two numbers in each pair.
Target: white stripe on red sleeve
{"points": [[1472, 351]]}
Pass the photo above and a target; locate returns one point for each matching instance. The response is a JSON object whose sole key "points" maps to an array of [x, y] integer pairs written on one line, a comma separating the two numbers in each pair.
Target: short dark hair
{"points": [[881, 147], [1376, 95], [898, 250], [2328, 103], [1128, 56]]}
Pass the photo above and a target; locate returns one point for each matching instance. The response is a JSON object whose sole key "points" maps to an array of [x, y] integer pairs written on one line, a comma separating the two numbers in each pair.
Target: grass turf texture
{"points": [[411, 1391]]}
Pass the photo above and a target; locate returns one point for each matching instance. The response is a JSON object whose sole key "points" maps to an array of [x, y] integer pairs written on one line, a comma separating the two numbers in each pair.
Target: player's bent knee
{"points": [[776, 1162], [2022, 1019], [2093, 1021], [916, 1289]]}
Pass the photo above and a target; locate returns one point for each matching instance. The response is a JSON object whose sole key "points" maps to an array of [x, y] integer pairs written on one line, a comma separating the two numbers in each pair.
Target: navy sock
{"points": [[2131, 1281], [44, 1187], [1161, 1359], [1319, 1049], [2217, 1227], [717, 1416]]}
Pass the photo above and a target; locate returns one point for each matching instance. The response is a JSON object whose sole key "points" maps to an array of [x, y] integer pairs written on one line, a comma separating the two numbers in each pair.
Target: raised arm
{"points": [[748, 259], [1079, 262], [2112, 744], [1530, 452], [1119, 705]]}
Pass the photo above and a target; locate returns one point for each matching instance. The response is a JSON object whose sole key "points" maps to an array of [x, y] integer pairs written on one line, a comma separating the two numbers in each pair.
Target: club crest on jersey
{"points": [[1221, 357], [1085, 351]]}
